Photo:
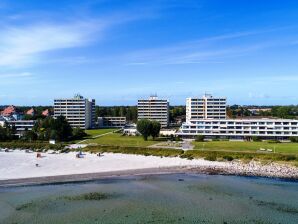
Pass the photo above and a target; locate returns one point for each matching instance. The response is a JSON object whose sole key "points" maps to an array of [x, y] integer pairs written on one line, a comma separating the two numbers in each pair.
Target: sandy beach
{"points": [[19, 167], [18, 164]]}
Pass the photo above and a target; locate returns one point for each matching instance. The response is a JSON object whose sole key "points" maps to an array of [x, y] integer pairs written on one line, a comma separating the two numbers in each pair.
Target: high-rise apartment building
{"points": [[78, 111], [206, 107], [207, 116], [154, 109]]}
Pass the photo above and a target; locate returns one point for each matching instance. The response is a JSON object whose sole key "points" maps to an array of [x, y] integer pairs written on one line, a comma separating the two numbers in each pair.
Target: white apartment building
{"points": [[241, 128], [78, 111], [207, 116], [111, 122], [21, 126], [154, 109], [206, 107]]}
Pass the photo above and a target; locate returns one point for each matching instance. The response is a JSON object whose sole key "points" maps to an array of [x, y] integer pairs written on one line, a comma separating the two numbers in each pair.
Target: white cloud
{"points": [[16, 75], [210, 50], [22, 45]]}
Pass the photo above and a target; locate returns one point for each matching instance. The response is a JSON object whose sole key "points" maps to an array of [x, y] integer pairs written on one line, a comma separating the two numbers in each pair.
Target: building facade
{"points": [[20, 126], [111, 122], [241, 128], [207, 116], [206, 107], [154, 109], [78, 111]]}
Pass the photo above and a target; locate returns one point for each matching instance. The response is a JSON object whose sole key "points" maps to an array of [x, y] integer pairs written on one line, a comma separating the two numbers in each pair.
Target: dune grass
{"points": [[195, 154]]}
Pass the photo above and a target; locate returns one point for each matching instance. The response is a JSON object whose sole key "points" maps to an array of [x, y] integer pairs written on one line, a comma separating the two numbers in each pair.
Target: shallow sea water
{"points": [[175, 198]]}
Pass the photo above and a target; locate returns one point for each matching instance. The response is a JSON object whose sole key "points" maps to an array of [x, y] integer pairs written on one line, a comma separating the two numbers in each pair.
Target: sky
{"points": [[118, 51]]}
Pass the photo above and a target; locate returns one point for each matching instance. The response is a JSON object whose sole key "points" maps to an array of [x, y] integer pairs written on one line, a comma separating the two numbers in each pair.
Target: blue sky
{"points": [[118, 51]]}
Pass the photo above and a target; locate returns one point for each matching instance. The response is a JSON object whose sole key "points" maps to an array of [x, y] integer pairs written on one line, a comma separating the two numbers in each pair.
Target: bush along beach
{"points": [[194, 154], [35, 146]]}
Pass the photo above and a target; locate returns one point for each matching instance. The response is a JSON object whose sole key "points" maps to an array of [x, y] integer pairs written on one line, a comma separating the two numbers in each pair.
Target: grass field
{"points": [[247, 146], [117, 139], [94, 132]]}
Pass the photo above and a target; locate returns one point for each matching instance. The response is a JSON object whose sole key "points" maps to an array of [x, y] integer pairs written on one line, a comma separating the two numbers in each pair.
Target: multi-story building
{"points": [[154, 109], [78, 111], [111, 122], [20, 126], [241, 128], [206, 107], [210, 120]]}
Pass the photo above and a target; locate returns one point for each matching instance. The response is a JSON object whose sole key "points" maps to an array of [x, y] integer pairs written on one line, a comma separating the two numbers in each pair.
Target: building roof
{"points": [[30, 112], [46, 113], [8, 111]]}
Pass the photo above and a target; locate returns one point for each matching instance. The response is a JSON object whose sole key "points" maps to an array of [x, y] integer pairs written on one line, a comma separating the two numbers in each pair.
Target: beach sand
{"points": [[19, 168], [18, 164]]}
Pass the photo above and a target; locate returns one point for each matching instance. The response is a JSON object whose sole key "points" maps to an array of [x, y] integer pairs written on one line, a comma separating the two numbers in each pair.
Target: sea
{"points": [[170, 198]]}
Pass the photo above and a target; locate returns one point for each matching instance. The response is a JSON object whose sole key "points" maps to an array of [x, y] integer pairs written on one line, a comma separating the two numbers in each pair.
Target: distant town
{"points": [[206, 116]]}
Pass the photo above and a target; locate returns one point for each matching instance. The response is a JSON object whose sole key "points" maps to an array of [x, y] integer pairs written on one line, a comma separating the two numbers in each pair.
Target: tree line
{"points": [[44, 130], [286, 112], [131, 112]]}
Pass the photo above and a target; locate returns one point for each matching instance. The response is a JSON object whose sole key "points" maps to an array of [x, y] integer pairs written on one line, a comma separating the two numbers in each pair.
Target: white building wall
{"points": [[154, 109], [78, 111], [206, 107], [268, 128]]}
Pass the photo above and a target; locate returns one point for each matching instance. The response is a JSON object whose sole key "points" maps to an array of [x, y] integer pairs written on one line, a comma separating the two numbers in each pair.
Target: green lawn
{"points": [[247, 146], [94, 132], [117, 139]]}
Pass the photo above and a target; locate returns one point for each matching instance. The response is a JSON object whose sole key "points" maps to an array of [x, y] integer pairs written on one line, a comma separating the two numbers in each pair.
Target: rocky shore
{"points": [[252, 168]]}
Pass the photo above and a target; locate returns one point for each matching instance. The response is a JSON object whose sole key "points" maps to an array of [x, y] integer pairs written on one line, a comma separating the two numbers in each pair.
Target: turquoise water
{"points": [[155, 199]]}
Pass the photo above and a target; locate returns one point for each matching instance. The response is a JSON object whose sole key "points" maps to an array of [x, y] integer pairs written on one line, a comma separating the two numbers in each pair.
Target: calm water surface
{"points": [[155, 199]]}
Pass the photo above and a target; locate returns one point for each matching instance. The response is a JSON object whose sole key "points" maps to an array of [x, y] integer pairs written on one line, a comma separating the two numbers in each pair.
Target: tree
{"points": [[78, 133], [155, 129], [30, 135], [53, 135], [50, 128], [144, 126]]}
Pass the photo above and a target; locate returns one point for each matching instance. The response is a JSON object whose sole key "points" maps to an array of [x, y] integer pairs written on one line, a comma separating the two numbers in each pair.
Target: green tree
{"points": [[30, 135], [50, 128], [144, 126], [78, 133], [155, 129]]}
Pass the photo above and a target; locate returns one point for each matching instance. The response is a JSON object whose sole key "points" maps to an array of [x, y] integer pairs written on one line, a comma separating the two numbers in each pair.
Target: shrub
{"points": [[200, 138], [290, 157], [211, 157], [256, 139], [215, 140], [274, 141], [294, 139], [187, 156], [178, 139], [228, 158]]}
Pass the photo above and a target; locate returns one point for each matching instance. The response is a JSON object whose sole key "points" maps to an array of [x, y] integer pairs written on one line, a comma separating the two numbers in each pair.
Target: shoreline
{"points": [[19, 168], [86, 177]]}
